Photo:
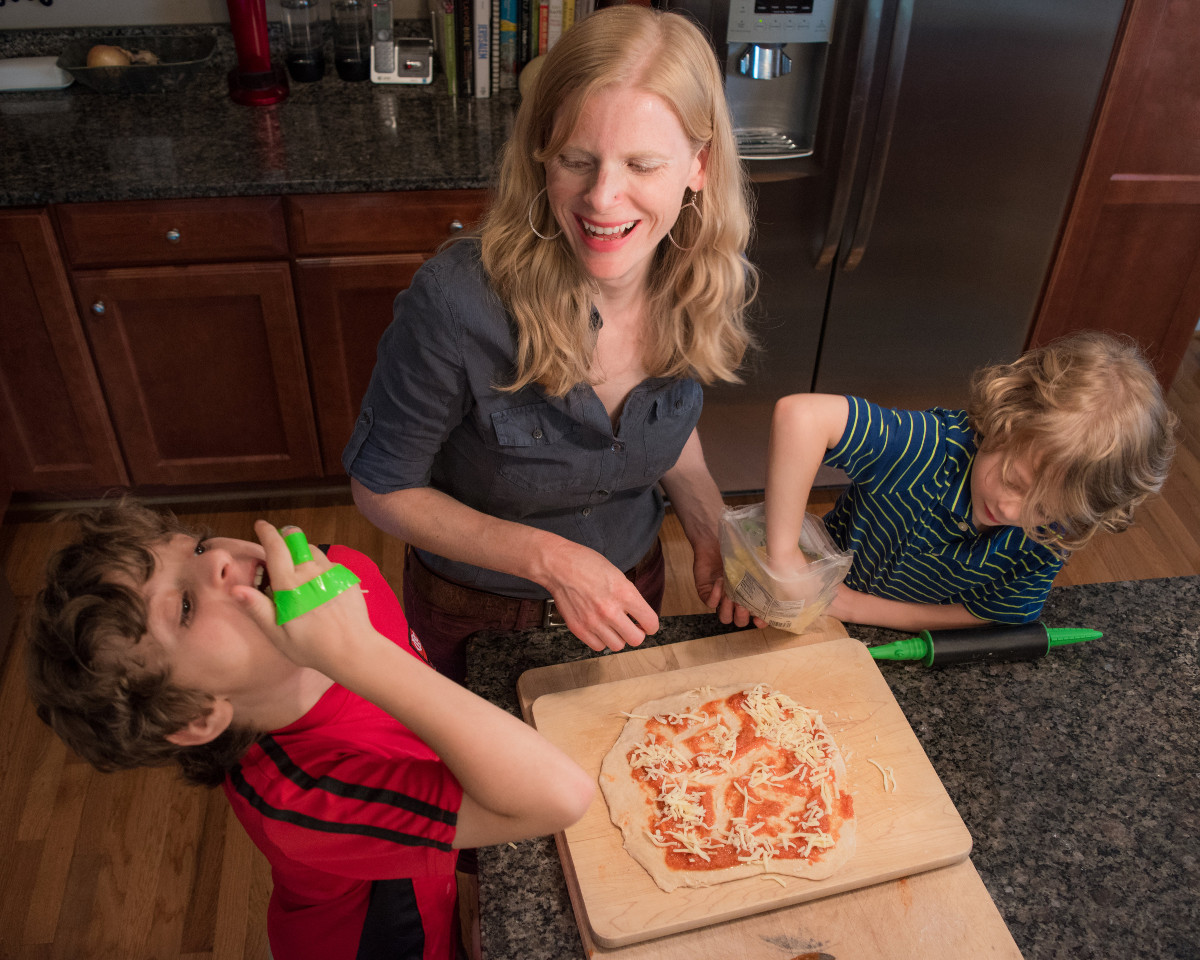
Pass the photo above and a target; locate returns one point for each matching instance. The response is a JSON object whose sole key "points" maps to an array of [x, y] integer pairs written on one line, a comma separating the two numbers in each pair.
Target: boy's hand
{"points": [[322, 635]]}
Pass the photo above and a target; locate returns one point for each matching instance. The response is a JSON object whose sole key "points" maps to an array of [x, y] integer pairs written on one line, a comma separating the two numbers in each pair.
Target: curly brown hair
{"points": [[90, 676], [1089, 417]]}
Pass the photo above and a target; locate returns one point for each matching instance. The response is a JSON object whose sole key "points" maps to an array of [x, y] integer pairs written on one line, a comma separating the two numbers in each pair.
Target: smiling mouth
{"points": [[618, 232], [262, 581]]}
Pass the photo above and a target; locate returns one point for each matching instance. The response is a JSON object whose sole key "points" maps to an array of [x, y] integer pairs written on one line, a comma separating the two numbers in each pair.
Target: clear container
{"points": [[789, 602], [304, 40], [352, 39]]}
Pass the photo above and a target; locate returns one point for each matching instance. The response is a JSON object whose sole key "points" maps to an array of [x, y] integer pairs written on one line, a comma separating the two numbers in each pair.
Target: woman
{"points": [[539, 383]]}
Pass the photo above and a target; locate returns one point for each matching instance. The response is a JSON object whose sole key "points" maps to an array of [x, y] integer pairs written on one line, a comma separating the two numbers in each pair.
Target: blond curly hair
{"points": [[1088, 417], [698, 295]]}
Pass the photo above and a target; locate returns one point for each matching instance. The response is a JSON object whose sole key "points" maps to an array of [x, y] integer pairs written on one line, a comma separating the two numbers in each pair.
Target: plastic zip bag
{"points": [[788, 602]]}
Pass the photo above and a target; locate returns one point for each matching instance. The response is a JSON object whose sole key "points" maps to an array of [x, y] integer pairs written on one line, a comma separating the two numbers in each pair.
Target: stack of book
{"points": [[483, 44]]}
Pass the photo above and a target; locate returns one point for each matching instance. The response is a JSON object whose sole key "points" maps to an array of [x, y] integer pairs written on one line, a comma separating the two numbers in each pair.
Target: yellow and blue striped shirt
{"points": [[907, 517]]}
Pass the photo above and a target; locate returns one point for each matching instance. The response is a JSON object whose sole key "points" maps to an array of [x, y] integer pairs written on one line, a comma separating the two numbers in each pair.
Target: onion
{"points": [[103, 55]]}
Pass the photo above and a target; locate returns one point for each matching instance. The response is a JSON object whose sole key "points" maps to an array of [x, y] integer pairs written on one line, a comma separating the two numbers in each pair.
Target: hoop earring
{"points": [[691, 203], [532, 204]]}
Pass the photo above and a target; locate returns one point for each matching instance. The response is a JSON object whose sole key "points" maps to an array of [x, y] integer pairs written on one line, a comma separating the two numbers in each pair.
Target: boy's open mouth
{"points": [[262, 580]]}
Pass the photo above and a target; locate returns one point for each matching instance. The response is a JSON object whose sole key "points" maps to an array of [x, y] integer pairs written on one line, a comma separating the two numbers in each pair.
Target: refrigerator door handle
{"points": [[855, 125], [883, 136]]}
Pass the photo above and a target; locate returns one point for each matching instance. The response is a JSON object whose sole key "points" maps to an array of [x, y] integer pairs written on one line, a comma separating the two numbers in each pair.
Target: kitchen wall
{"points": [[29, 14]]}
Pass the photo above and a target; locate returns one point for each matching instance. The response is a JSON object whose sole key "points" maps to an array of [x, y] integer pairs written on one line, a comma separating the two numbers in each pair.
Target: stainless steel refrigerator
{"points": [[912, 161]]}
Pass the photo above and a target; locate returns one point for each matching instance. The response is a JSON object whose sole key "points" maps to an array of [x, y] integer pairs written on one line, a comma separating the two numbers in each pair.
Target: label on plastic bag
{"points": [[754, 597]]}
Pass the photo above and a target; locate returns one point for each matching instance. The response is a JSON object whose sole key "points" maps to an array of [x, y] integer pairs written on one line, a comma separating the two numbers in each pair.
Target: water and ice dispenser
{"points": [[775, 53]]}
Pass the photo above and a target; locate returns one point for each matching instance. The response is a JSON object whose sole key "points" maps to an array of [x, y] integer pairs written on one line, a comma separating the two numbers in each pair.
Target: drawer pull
{"points": [[455, 225], [98, 308], [173, 236]]}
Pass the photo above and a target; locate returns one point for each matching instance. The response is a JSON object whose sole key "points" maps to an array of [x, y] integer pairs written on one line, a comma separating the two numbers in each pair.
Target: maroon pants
{"points": [[444, 614]]}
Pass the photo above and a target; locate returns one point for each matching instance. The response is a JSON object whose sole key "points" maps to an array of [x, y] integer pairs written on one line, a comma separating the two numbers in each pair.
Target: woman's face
{"points": [[617, 184]]}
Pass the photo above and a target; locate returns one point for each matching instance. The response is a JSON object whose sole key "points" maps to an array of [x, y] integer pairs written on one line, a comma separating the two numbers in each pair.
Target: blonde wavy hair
{"points": [[1088, 416], [698, 295]]}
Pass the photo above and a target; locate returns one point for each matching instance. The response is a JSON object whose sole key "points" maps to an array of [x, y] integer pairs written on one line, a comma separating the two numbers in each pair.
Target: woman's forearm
{"points": [[434, 521]]}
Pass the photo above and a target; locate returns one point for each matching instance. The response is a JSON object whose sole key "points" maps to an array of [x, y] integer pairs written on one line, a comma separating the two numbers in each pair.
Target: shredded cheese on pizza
{"points": [[744, 780]]}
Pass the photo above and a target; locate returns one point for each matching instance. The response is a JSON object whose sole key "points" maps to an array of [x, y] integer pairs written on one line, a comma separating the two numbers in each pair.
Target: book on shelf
{"points": [[508, 46], [465, 47], [526, 32], [554, 22], [481, 27], [494, 45], [543, 26], [445, 41]]}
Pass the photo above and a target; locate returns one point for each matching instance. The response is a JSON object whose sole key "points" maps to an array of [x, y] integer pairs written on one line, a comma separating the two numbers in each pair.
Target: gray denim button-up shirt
{"points": [[432, 417]]}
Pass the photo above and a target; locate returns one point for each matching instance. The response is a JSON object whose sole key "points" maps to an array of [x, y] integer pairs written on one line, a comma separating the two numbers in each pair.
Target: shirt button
{"points": [[586, 511], [962, 525], [603, 493], [537, 433], [617, 447]]}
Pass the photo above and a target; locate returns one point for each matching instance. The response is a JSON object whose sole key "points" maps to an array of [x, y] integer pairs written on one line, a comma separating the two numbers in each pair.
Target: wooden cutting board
{"points": [[910, 828]]}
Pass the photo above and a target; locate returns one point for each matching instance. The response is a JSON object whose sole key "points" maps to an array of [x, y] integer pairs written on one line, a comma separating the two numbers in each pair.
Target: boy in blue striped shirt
{"points": [[962, 518]]}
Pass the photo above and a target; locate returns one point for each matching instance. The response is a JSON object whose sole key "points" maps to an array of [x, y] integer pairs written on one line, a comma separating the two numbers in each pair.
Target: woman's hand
{"points": [[709, 572], [599, 603], [323, 635]]}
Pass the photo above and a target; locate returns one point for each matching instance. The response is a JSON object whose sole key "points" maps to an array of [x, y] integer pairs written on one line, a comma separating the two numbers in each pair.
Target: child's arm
{"points": [[516, 784], [852, 606], [803, 428]]}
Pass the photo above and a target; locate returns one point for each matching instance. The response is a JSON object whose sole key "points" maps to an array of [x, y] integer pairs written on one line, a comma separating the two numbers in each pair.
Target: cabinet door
{"points": [[57, 437], [1130, 255], [204, 370], [345, 305]]}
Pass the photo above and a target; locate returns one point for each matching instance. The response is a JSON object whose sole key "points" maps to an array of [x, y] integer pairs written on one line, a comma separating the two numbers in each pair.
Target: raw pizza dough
{"points": [[715, 785]]}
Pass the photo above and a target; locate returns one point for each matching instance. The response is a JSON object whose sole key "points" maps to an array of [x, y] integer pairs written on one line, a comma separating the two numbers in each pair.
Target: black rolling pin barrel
{"points": [[941, 648]]}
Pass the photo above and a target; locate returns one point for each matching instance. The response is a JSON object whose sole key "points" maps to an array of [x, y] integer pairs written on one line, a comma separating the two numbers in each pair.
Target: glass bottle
{"points": [[352, 39], [304, 40]]}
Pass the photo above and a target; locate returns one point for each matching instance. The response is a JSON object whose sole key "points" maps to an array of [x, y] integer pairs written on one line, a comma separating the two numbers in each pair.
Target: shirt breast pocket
{"points": [[538, 449], [669, 423]]}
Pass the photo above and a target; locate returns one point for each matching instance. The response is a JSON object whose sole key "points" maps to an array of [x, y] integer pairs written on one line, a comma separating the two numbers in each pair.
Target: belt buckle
{"points": [[550, 615]]}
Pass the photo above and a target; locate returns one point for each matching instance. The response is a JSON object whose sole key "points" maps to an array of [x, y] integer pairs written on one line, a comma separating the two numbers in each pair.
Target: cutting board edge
{"points": [[625, 940]]}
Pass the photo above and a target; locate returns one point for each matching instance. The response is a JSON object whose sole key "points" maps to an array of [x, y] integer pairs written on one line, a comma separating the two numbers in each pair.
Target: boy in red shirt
{"points": [[355, 767]]}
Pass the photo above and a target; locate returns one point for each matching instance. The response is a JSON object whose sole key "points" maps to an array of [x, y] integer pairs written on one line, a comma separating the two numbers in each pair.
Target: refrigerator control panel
{"points": [[780, 21]]}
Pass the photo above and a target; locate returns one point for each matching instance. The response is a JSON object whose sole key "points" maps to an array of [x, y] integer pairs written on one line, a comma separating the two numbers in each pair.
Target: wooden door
{"points": [[1130, 256], [204, 370], [54, 427], [345, 305]]}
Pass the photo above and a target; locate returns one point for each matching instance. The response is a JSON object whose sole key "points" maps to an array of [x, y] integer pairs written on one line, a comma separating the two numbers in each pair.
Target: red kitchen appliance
{"points": [[255, 81]]}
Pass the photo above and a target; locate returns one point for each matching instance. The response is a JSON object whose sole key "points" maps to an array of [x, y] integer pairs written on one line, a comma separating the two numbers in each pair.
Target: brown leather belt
{"points": [[507, 613]]}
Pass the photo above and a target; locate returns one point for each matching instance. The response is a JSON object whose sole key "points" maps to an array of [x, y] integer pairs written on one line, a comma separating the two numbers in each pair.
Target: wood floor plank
{"points": [[49, 889]]}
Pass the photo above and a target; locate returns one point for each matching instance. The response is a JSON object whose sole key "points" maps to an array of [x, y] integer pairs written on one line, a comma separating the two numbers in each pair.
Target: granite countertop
{"points": [[75, 145], [1078, 776]]}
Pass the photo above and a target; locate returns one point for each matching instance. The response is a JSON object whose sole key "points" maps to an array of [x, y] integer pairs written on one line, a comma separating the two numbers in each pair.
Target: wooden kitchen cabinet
{"points": [[1129, 260], [204, 371], [354, 253], [201, 361], [56, 433]]}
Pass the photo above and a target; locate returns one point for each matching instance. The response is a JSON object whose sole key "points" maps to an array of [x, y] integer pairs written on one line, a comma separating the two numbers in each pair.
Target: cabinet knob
{"points": [[98, 308], [173, 236], [455, 225]]}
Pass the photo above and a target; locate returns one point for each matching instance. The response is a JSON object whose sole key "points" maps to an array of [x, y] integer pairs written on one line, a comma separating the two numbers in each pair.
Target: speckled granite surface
{"points": [[75, 145], [1078, 776]]}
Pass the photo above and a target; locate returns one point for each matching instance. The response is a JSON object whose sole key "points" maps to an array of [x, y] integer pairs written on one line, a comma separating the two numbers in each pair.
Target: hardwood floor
{"points": [[133, 866]]}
